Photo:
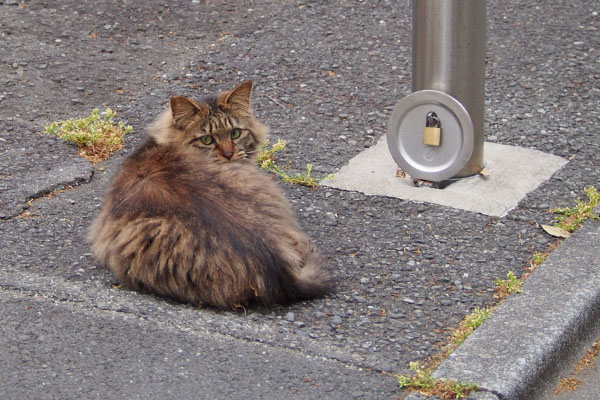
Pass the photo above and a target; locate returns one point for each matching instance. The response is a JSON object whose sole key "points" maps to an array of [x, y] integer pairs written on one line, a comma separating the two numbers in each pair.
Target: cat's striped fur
{"points": [[191, 219]]}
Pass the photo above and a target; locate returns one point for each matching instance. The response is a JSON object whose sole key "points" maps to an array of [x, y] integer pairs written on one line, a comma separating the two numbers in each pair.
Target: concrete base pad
{"points": [[514, 172]]}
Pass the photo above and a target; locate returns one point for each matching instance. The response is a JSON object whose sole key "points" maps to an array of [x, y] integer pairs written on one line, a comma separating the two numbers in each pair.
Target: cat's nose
{"points": [[226, 150]]}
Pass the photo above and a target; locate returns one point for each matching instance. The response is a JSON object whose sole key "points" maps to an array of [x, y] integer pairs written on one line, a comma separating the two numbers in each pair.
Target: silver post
{"points": [[449, 56]]}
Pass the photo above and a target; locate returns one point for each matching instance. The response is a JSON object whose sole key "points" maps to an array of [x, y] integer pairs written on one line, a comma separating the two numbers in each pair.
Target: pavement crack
{"points": [[22, 195]]}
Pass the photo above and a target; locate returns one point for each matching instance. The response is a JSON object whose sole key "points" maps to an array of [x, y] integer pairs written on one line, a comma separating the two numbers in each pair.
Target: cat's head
{"points": [[223, 126]]}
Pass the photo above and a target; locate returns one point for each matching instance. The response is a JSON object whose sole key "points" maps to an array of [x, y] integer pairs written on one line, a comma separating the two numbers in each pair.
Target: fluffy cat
{"points": [[189, 216]]}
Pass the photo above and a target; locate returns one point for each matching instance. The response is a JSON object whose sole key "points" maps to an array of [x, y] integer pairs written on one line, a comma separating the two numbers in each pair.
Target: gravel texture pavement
{"points": [[327, 75]]}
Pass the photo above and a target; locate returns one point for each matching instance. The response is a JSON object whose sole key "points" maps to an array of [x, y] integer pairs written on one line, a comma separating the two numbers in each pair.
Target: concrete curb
{"points": [[531, 332]]}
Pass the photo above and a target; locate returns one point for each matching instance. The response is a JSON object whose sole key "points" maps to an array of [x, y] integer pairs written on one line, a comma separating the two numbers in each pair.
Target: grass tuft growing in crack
{"points": [[474, 320], [267, 161], [571, 218], [97, 136], [469, 324], [422, 382], [508, 286]]}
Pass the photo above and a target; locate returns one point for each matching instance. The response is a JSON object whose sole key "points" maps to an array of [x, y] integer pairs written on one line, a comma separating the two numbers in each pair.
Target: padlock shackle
{"points": [[432, 120]]}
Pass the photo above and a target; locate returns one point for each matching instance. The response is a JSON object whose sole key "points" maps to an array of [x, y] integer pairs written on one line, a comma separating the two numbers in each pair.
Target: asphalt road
{"points": [[327, 75], [572, 384]]}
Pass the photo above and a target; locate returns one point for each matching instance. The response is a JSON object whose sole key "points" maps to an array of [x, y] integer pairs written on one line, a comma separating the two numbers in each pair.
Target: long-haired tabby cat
{"points": [[189, 216]]}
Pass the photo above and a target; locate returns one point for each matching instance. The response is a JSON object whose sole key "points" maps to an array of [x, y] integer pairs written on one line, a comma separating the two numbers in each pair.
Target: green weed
{"points": [[97, 136], [422, 382], [464, 330], [538, 258], [267, 154], [508, 286], [469, 324], [266, 160], [570, 219]]}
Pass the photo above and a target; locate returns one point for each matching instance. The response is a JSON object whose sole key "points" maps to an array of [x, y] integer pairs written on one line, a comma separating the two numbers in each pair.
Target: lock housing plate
{"points": [[405, 136]]}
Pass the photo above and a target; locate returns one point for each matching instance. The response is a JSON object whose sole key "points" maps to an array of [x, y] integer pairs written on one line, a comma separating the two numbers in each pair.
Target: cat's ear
{"points": [[185, 111], [237, 98]]}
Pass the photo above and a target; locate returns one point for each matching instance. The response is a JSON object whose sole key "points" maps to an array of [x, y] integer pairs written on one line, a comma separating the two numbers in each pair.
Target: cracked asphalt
{"points": [[327, 75]]}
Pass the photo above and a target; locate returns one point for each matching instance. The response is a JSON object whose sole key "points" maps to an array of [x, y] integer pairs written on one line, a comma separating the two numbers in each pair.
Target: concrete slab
{"points": [[514, 172]]}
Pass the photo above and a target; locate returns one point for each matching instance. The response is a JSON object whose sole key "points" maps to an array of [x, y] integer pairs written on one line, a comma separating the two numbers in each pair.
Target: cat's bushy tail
{"points": [[311, 280]]}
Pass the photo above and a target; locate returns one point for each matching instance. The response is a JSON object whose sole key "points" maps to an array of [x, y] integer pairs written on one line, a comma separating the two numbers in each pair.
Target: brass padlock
{"points": [[432, 135]]}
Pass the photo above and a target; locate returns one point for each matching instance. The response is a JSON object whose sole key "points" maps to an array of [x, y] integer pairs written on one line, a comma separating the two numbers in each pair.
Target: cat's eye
{"points": [[236, 133], [206, 139]]}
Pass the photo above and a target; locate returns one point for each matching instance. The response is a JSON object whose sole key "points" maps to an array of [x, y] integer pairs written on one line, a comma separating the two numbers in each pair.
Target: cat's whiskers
{"points": [[240, 155]]}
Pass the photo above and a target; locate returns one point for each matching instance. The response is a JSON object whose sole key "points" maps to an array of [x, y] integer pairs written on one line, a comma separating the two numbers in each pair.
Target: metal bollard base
{"points": [[435, 185]]}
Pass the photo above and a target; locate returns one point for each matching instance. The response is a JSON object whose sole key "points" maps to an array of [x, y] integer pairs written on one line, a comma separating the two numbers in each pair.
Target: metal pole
{"points": [[448, 55]]}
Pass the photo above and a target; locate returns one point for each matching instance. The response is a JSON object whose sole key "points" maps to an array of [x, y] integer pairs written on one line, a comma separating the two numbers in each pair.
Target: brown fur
{"points": [[186, 221]]}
